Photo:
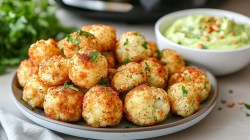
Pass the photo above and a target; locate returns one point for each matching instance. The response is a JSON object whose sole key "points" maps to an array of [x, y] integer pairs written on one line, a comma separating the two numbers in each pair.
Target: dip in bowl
{"points": [[216, 39]]}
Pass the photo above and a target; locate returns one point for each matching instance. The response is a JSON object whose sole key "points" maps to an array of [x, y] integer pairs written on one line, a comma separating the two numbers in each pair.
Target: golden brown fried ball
{"points": [[102, 107], [43, 49], [34, 92], [154, 48], [195, 77], [173, 60], [25, 72], [110, 59], [184, 100], [145, 105], [54, 71], [157, 75], [132, 46], [87, 67], [129, 76], [106, 35], [63, 103], [77, 40]]}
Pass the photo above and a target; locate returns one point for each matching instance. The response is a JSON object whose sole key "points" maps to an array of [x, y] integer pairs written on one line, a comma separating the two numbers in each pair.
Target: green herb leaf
{"points": [[223, 101], [145, 45], [247, 106], [147, 67], [22, 24], [126, 61], [230, 91], [137, 33], [105, 54], [73, 41], [71, 86], [126, 42], [94, 56], [154, 116], [184, 91], [188, 77], [159, 54], [103, 81], [86, 34]]}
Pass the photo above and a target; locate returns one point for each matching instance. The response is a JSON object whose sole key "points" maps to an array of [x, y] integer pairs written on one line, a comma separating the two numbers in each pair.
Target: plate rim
{"points": [[159, 126]]}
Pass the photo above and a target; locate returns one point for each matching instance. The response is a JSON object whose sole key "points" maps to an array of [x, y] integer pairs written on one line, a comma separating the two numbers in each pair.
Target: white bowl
{"points": [[219, 62]]}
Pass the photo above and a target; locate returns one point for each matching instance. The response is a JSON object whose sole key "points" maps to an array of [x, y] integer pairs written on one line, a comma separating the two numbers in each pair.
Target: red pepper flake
{"points": [[231, 105], [220, 37], [235, 42], [200, 46], [232, 33], [216, 27], [207, 38]]}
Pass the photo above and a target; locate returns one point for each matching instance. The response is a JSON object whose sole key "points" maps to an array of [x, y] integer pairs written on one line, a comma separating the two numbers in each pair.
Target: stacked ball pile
{"points": [[91, 75]]}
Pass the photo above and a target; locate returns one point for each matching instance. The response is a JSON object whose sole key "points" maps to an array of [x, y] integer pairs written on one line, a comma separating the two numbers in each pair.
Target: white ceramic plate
{"points": [[125, 130]]}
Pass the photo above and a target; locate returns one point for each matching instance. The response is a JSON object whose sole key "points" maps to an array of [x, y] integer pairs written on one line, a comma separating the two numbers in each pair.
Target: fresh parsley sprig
{"points": [[22, 24], [94, 56], [71, 86], [184, 91]]}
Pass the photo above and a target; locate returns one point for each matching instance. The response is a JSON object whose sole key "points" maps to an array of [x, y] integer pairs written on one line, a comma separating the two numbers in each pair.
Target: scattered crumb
{"points": [[240, 102], [231, 91], [219, 108], [223, 101], [231, 105]]}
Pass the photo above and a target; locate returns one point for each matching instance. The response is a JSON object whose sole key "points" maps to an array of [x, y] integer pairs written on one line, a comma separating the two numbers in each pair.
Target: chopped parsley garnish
{"points": [[104, 54], [71, 86], [184, 91], [230, 91], [137, 33], [86, 34], [154, 116], [158, 52], [248, 114], [130, 87], [94, 56], [107, 92], [103, 81], [78, 48], [188, 77], [145, 45], [126, 42], [147, 67], [126, 61], [73, 41], [223, 101], [219, 108], [204, 47], [247, 106], [159, 98]]}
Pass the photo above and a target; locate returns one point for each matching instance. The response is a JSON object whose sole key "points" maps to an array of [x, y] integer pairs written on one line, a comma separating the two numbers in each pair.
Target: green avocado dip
{"points": [[209, 32]]}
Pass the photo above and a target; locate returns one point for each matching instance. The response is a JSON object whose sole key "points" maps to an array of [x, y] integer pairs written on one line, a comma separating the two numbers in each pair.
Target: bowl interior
{"points": [[166, 21]]}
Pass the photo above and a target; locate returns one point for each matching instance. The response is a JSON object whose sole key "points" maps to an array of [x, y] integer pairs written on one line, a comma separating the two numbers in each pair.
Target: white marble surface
{"points": [[227, 123]]}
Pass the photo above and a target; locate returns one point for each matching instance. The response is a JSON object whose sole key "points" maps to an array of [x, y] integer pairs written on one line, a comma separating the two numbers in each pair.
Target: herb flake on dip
{"points": [[209, 32]]}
